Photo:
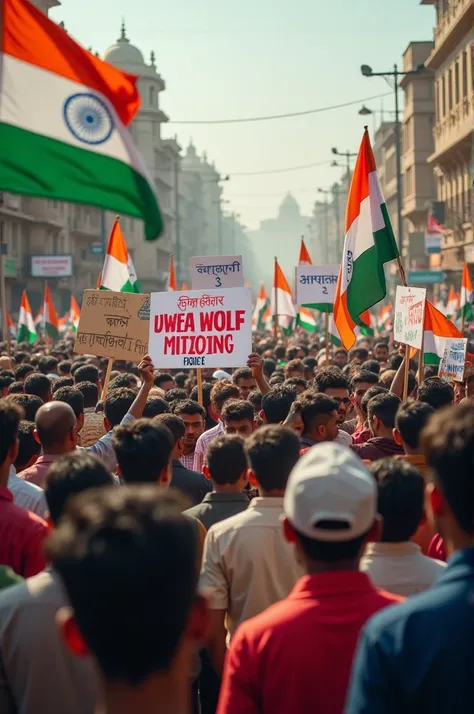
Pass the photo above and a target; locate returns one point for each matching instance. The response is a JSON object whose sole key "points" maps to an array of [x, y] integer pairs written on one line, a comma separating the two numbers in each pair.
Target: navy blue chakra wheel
{"points": [[88, 118]]}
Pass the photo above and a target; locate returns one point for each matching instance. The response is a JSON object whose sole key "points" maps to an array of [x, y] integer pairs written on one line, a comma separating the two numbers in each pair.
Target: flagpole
{"points": [[403, 278], [199, 385], [326, 327], [422, 356], [275, 314], [107, 378]]}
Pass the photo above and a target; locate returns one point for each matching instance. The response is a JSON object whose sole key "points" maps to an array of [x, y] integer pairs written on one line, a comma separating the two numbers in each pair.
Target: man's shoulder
{"points": [[16, 483], [40, 588], [183, 470], [196, 511], [232, 524], [26, 519]]}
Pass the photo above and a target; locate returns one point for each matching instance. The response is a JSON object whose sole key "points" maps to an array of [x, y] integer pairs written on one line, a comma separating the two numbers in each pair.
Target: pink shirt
{"points": [[37, 473], [21, 537]]}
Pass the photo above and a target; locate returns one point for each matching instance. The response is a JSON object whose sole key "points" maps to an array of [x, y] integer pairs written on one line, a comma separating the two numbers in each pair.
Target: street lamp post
{"points": [[348, 154], [396, 74]]}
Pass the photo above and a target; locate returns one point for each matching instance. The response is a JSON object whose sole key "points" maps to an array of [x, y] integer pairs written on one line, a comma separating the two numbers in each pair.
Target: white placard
{"points": [[201, 328], [51, 266], [217, 271], [409, 316], [316, 284], [451, 367]]}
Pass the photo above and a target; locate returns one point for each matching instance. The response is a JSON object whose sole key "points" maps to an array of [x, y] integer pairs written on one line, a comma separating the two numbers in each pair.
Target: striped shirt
{"points": [[202, 444]]}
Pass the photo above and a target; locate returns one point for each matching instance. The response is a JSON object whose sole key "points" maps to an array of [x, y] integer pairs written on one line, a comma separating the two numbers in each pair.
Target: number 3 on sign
{"points": [[218, 281]]}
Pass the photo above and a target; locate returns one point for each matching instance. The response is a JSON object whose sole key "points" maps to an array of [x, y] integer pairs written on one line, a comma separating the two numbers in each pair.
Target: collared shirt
{"points": [[417, 460], [216, 507], [417, 657], [93, 428], [247, 564], [400, 568], [38, 675], [21, 537], [296, 656], [27, 495], [188, 461], [202, 444]]}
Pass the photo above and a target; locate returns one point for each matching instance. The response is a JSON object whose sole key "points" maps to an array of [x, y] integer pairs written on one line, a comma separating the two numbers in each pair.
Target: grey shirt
{"points": [[216, 507]]}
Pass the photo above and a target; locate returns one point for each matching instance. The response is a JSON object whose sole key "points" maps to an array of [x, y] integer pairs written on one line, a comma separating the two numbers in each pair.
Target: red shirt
{"points": [[437, 549], [296, 657], [21, 537]]}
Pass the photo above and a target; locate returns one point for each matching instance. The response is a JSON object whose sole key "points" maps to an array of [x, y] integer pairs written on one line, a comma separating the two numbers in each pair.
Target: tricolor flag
{"points": [[118, 272], [466, 312], [282, 300], [38, 321], [369, 244], [11, 327], [172, 283], [63, 120], [50, 317], [63, 324], [334, 336], [305, 319], [74, 314], [262, 305], [304, 258], [436, 328], [26, 326], [366, 324], [453, 302], [384, 317]]}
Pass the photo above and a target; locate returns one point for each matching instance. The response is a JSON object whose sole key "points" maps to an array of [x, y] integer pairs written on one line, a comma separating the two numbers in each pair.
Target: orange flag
{"points": [[172, 284], [305, 258]]}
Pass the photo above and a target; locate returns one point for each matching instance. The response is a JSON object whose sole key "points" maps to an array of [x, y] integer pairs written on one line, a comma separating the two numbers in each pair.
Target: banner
{"points": [[451, 367], [113, 324], [199, 328], [433, 243], [409, 316], [217, 271], [316, 285]]}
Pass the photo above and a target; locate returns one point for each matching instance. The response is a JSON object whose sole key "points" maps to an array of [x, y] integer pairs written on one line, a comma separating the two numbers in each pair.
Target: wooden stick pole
{"points": [[421, 358], [275, 307], [107, 378], [406, 372], [326, 338], [199, 385]]}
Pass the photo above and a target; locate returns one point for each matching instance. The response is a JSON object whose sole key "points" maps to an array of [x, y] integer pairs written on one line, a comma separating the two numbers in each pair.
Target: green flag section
{"points": [[466, 312], [63, 121], [118, 273], [437, 328], [305, 320], [321, 306], [262, 304], [26, 325]]}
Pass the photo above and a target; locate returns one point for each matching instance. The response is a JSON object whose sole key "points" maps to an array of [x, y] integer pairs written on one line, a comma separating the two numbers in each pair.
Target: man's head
{"points": [[62, 382], [330, 508], [116, 405], [29, 404], [269, 366], [244, 380], [155, 406], [74, 397], [340, 358], [64, 367], [381, 352], [126, 380], [371, 365], [294, 368], [177, 429], [310, 363], [39, 385], [227, 462], [436, 392], [130, 550], [48, 365], [193, 415], [238, 417], [371, 392], [410, 420], [272, 451], [23, 371], [361, 382], [70, 475], [276, 403], [298, 383], [255, 398], [319, 416], [400, 499], [221, 392], [16, 388], [56, 428], [90, 392], [143, 449], [28, 447], [381, 412], [10, 417], [87, 373], [332, 382], [164, 381]]}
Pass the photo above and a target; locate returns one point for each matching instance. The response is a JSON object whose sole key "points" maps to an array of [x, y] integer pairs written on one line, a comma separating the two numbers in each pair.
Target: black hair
{"points": [[371, 365], [90, 392], [380, 344], [291, 352], [6, 380], [175, 425], [329, 378], [117, 403], [143, 449], [237, 410], [19, 356], [162, 377], [70, 475], [242, 373], [269, 366], [363, 375], [401, 489], [277, 402], [47, 364], [384, 407], [39, 385], [176, 395], [329, 552], [315, 409], [86, 373], [10, 417], [16, 388], [294, 364], [226, 459], [296, 382], [280, 352], [62, 382], [29, 403], [206, 400], [126, 380], [370, 393], [155, 406], [436, 392], [411, 418], [73, 397], [28, 446], [276, 379], [181, 378], [360, 353], [188, 406], [255, 398], [273, 451], [117, 551], [23, 370], [310, 362], [65, 367], [395, 361], [78, 362]]}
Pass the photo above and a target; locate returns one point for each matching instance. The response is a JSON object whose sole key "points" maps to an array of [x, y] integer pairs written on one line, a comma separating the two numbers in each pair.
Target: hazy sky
{"points": [[227, 58]]}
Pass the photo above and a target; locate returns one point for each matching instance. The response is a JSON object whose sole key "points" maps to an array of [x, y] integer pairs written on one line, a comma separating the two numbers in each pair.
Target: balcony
{"points": [[455, 129], [452, 26]]}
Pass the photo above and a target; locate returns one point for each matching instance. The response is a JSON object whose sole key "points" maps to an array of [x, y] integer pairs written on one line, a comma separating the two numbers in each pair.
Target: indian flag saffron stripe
{"points": [[118, 273], [63, 117], [172, 283], [261, 305], [50, 317], [26, 326], [305, 258], [282, 300], [369, 244], [437, 328]]}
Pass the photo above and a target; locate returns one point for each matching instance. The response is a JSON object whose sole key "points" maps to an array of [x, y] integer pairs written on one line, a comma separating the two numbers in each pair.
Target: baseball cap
{"points": [[221, 374], [330, 483]]}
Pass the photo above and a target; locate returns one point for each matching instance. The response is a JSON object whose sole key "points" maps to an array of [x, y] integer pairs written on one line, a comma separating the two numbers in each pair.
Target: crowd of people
{"points": [[287, 537]]}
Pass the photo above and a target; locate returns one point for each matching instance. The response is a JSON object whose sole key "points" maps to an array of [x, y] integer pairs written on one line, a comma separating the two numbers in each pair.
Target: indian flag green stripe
{"points": [[36, 165], [321, 306]]}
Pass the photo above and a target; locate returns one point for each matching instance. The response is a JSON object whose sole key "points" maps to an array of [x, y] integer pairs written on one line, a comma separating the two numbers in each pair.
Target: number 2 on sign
{"points": [[218, 281], [325, 290]]}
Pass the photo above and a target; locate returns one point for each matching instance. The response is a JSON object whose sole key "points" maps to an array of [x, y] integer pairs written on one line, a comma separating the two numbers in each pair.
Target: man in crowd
{"points": [[296, 656], [361, 382], [26, 494], [244, 380], [333, 383], [238, 417], [417, 656], [164, 381], [410, 420], [88, 373], [193, 415], [276, 404], [381, 411], [221, 392], [381, 352], [363, 435], [29, 404], [93, 428], [395, 563], [247, 564], [143, 449], [39, 385], [436, 392], [319, 416]]}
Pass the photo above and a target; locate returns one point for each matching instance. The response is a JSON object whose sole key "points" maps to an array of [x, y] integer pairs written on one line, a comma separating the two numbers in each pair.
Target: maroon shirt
{"points": [[21, 537]]}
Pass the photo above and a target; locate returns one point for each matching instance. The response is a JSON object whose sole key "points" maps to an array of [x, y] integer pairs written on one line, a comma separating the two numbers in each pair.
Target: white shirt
{"points": [[344, 438], [247, 563], [27, 495], [400, 568]]}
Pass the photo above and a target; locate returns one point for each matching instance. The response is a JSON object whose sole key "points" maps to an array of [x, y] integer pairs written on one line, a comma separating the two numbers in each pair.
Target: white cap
{"points": [[221, 374], [330, 483]]}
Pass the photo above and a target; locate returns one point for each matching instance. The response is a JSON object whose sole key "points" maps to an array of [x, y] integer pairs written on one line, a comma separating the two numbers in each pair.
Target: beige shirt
{"points": [[247, 564], [93, 428], [400, 568]]}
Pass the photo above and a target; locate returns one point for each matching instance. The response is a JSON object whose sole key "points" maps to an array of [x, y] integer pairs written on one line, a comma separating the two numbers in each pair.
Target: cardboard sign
{"points": [[451, 367], [217, 271], [316, 284], [198, 328], [409, 316], [114, 325]]}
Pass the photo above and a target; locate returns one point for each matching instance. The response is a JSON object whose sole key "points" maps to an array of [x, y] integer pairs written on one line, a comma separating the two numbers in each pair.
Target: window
{"points": [[456, 82], [464, 59], [450, 89], [443, 97], [151, 96]]}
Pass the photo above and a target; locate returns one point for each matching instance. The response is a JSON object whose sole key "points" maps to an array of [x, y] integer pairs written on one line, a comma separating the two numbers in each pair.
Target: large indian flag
{"points": [[465, 312], [50, 316], [369, 244], [118, 273], [63, 119], [26, 325], [282, 299], [437, 328]]}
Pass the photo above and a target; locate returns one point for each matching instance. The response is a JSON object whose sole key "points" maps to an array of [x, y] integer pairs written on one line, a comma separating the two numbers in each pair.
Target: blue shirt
{"points": [[418, 657]]}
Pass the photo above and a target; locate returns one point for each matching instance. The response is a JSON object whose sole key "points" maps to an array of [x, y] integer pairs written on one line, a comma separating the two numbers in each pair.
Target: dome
{"points": [[123, 53], [289, 207]]}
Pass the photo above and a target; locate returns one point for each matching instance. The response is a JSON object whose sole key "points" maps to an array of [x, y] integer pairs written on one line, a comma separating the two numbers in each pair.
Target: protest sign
{"points": [[198, 328], [114, 325], [409, 316], [451, 367], [316, 286], [217, 271]]}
